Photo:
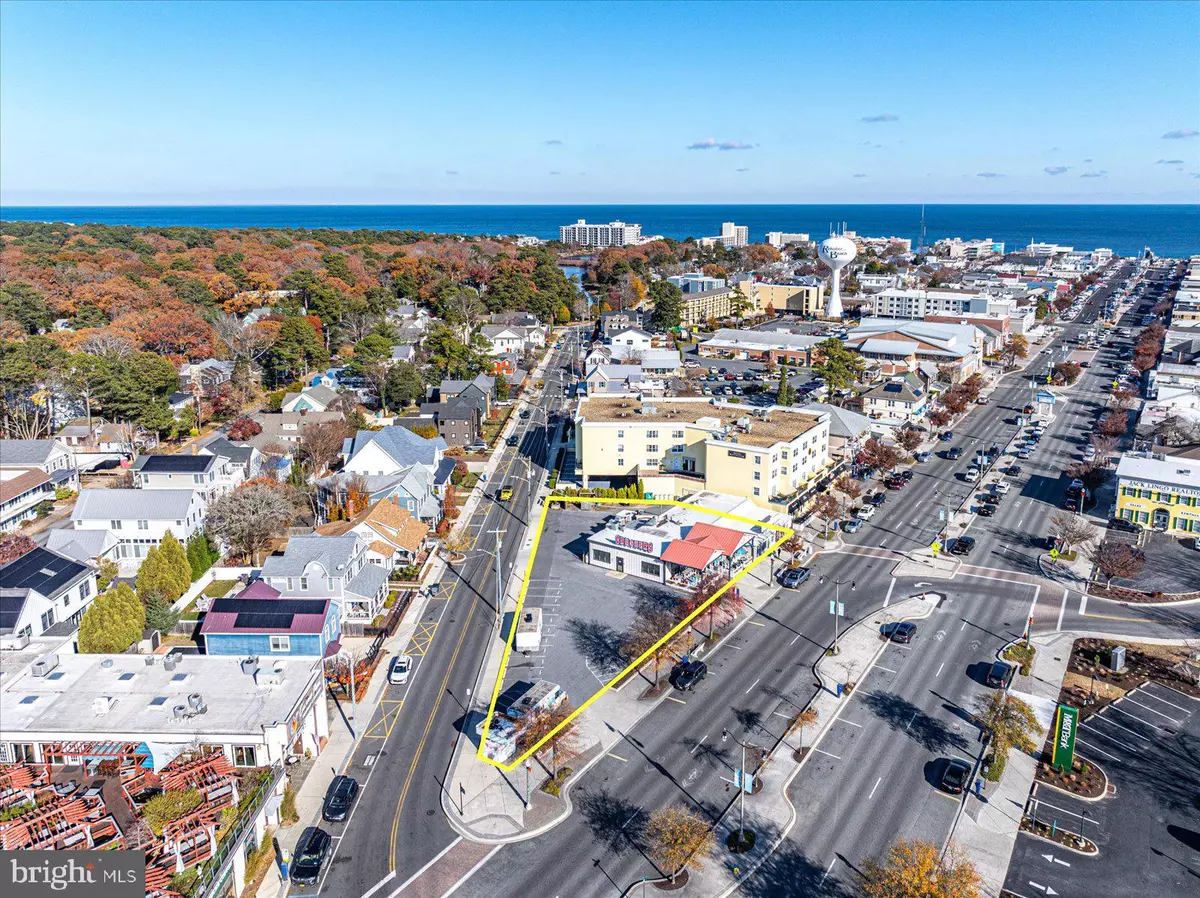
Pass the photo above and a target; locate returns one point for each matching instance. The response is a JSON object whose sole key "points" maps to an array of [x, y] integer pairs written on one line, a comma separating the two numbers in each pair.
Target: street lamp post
{"points": [[499, 582], [725, 734], [837, 605]]}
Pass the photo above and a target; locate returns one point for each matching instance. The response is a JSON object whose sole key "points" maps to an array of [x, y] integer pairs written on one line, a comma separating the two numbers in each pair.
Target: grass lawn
{"points": [[218, 588]]}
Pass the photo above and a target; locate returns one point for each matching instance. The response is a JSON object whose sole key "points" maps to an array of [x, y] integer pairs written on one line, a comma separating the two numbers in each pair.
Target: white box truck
{"points": [[529, 631]]}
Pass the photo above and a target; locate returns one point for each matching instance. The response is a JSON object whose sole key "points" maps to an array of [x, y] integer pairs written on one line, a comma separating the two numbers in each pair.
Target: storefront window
{"points": [[602, 557]]}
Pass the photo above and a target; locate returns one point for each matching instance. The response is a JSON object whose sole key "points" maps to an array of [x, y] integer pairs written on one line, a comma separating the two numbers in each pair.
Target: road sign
{"points": [[743, 781], [1062, 756], [936, 547]]}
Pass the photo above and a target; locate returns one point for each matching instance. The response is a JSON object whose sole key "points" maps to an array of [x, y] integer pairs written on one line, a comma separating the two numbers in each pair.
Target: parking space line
{"points": [[756, 623], [844, 720], [881, 667], [1098, 750], [1135, 717], [698, 744], [1119, 726], [1092, 729], [1151, 710], [678, 701], [820, 752], [1146, 692], [617, 757], [752, 685], [942, 794]]}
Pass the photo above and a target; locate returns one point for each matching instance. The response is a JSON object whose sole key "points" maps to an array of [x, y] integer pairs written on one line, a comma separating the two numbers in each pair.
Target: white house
{"points": [[210, 474], [396, 463], [319, 398], [47, 456], [21, 495], [331, 567], [630, 340], [139, 519], [42, 588]]}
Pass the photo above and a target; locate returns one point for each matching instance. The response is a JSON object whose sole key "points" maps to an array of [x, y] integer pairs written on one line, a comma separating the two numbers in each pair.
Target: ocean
{"points": [[1168, 230]]}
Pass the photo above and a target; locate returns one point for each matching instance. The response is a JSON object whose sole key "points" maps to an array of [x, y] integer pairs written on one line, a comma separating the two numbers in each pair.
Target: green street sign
{"points": [[1062, 757]]}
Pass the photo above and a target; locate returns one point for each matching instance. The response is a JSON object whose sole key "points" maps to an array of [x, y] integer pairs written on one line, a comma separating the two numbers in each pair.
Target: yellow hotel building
{"points": [[1159, 492], [680, 446]]}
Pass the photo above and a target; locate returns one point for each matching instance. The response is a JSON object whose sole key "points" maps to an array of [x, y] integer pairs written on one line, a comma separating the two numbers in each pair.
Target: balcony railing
{"points": [[212, 880]]}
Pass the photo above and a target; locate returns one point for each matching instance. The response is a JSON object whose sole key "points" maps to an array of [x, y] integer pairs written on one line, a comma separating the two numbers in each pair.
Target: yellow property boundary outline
{"points": [[786, 533]]}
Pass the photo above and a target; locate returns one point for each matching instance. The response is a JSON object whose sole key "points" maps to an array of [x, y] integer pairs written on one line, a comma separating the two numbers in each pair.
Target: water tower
{"points": [[836, 252]]}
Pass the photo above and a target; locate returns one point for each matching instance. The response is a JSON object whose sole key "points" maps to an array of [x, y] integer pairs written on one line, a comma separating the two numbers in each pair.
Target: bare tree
{"points": [[1105, 446], [241, 340], [645, 635], [249, 518], [1072, 530], [1114, 559], [104, 343], [321, 443]]}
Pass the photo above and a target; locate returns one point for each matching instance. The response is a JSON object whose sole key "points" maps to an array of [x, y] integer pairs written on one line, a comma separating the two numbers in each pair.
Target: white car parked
{"points": [[400, 669], [865, 513]]}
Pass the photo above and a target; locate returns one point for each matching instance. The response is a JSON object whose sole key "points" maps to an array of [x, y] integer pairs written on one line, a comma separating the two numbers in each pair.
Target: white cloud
{"points": [[877, 119], [989, 174], [1056, 169], [1181, 134], [1169, 162], [1095, 174], [711, 143]]}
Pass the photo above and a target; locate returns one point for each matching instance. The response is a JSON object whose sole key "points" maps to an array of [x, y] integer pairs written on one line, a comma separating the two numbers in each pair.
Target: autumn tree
{"points": [[249, 518], [1114, 423], [645, 634], [916, 869], [13, 546], [676, 838], [1116, 559], [1067, 372], [551, 730], [1008, 721], [1105, 446], [1071, 530], [243, 428], [908, 439], [1016, 348], [825, 509], [803, 721], [878, 455]]}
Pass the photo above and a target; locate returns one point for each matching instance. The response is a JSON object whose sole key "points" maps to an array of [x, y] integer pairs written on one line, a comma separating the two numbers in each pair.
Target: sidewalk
{"points": [[487, 804], [987, 829], [770, 813]]}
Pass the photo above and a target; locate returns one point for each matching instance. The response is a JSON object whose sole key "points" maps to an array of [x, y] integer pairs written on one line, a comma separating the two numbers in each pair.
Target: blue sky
{"points": [[572, 103]]}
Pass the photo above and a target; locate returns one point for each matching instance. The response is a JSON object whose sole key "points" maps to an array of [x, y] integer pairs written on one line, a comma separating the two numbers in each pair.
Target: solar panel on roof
{"points": [[269, 606], [265, 621]]}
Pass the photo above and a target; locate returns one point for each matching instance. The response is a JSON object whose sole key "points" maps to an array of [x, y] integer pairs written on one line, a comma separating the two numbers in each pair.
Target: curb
{"points": [[1103, 795]]}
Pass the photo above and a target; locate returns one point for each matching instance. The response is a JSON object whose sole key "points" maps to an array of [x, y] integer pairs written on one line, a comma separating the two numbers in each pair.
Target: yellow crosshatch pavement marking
{"points": [[421, 639], [390, 709], [785, 534]]}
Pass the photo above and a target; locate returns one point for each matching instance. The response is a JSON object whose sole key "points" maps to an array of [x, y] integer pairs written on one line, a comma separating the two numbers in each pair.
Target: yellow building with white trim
{"points": [[1159, 492], [679, 446]]}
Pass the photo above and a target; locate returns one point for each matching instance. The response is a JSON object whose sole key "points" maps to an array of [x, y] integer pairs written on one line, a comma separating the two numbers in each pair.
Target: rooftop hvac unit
{"points": [[249, 665], [102, 704], [179, 712], [43, 665], [171, 661], [268, 677], [14, 643], [196, 703]]}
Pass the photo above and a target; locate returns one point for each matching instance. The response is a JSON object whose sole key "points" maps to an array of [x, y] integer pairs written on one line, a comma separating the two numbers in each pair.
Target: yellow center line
{"points": [[437, 702], [1136, 620]]}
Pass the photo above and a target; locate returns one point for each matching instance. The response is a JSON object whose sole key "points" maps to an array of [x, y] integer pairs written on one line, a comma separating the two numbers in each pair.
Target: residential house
{"points": [[205, 377], [848, 430], [513, 338], [47, 456], [484, 386], [319, 398], [394, 463], [139, 519], [395, 539], [86, 546], [42, 588], [613, 322], [404, 352], [331, 567], [616, 379], [284, 430], [901, 399], [211, 475], [21, 495], [630, 341], [244, 459], [458, 420], [259, 623]]}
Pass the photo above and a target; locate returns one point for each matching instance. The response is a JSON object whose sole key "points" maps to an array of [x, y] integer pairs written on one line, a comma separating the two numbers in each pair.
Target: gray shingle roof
{"points": [[80, 545], [23, 453], [368, 581], [128, 505], [401, 444], [333, 553]]}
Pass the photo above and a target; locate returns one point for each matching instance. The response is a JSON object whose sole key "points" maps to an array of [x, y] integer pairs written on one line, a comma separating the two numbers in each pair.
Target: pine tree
{"points": [[199, 555], [112, 622], [165, 571], [177, 564], [786, 393]]}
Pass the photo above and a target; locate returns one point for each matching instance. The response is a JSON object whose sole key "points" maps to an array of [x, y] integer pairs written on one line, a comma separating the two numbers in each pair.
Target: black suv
{"points": [[1122, 524], [1000, 676], [339, 797], [955, 777], [963, 545], [687, 674], [955, 453], [878, 499], [311, 852], [902, 632]]}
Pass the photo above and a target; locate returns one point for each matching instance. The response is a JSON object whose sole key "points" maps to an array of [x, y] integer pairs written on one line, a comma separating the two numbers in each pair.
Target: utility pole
{"points": [[499, 582]]}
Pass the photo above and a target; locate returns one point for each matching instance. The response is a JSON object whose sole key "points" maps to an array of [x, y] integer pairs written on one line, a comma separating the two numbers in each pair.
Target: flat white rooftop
{"points": [[141, 697]]}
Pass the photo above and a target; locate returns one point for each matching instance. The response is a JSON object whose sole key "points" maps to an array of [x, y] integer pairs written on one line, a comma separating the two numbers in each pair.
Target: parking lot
{"points": [[1172, 564], [1148, 830], [585, 609]]}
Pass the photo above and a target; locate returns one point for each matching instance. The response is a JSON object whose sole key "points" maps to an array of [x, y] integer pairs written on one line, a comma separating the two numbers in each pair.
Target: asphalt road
{"points": [[398, 825]]}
